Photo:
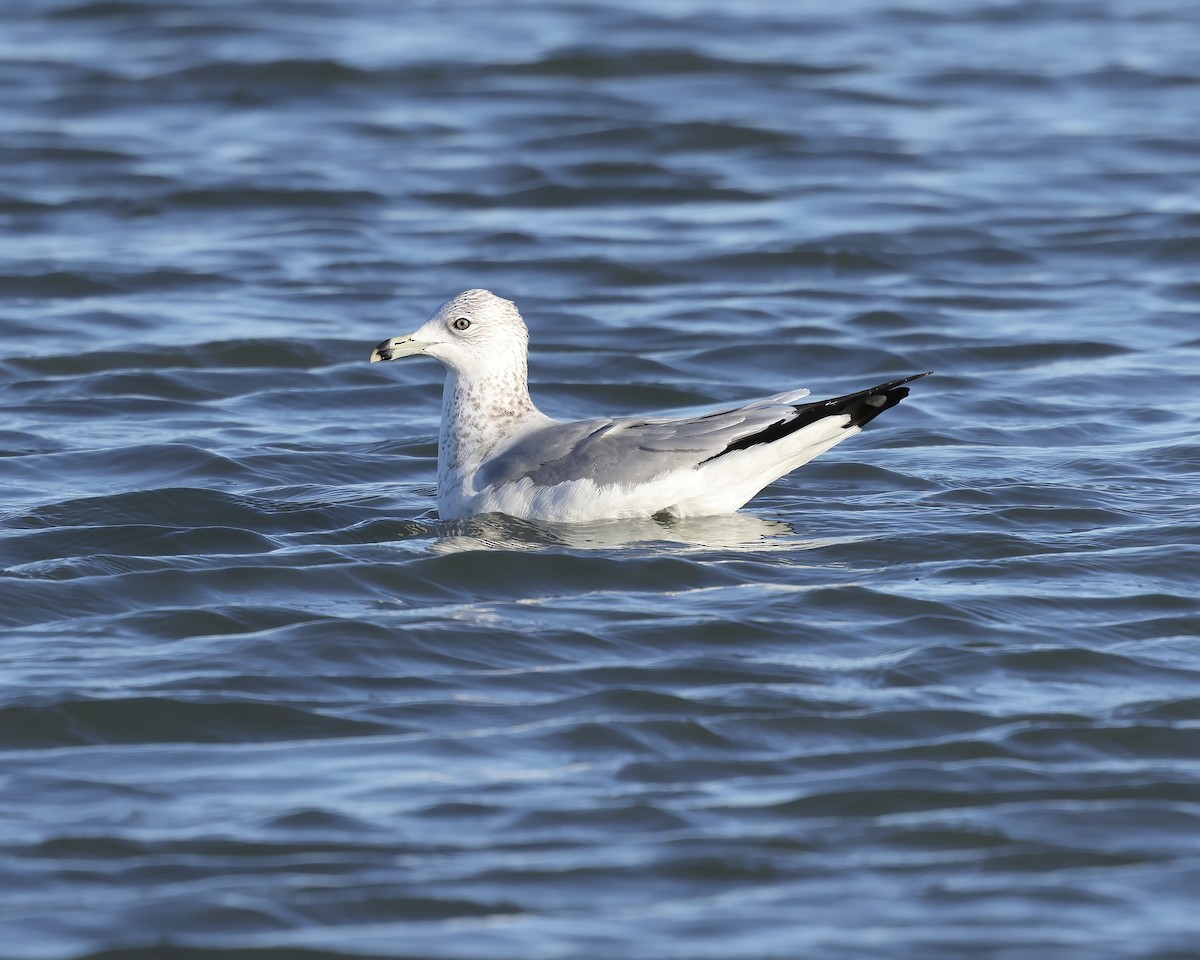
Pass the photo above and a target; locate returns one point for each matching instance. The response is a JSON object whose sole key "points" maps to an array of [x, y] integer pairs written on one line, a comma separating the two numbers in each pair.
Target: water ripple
{"points": [[257, 699]]}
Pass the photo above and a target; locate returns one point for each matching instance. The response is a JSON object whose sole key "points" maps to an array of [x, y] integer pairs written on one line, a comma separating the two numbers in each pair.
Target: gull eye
{"points": [[461, 323]]}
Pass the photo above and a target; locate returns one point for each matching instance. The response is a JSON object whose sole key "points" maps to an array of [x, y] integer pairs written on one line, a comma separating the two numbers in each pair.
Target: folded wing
{"points": [[634, 451]]}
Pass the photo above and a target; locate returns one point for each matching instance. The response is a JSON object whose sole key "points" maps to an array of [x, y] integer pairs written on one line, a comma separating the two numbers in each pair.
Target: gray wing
{"points": [[615, 451], [632, 451]]}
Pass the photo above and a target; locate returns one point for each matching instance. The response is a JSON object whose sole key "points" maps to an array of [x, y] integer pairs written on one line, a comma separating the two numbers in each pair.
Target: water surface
{"points": [[935, 695]]}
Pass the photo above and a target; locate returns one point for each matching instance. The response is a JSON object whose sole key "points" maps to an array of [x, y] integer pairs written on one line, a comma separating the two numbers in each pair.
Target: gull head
{"points": [[473, 333]]}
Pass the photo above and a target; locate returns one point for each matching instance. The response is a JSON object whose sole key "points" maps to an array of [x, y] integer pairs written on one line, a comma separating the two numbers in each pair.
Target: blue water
{"points": [[936, 695]]}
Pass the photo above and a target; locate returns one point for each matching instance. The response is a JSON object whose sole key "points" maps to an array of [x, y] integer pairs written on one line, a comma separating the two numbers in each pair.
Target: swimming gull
{"points": [[498, 453]]}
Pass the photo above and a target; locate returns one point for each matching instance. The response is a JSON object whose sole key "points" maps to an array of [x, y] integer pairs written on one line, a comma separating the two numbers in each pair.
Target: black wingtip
{"points": [[862, 407], [865, 405]]}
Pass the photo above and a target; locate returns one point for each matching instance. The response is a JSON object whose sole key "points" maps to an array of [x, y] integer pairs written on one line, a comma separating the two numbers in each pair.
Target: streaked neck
{"points": [[480, 415]]}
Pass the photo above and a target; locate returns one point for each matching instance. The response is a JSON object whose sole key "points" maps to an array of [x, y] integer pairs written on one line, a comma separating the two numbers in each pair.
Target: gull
{"points": [[498, 453]]}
